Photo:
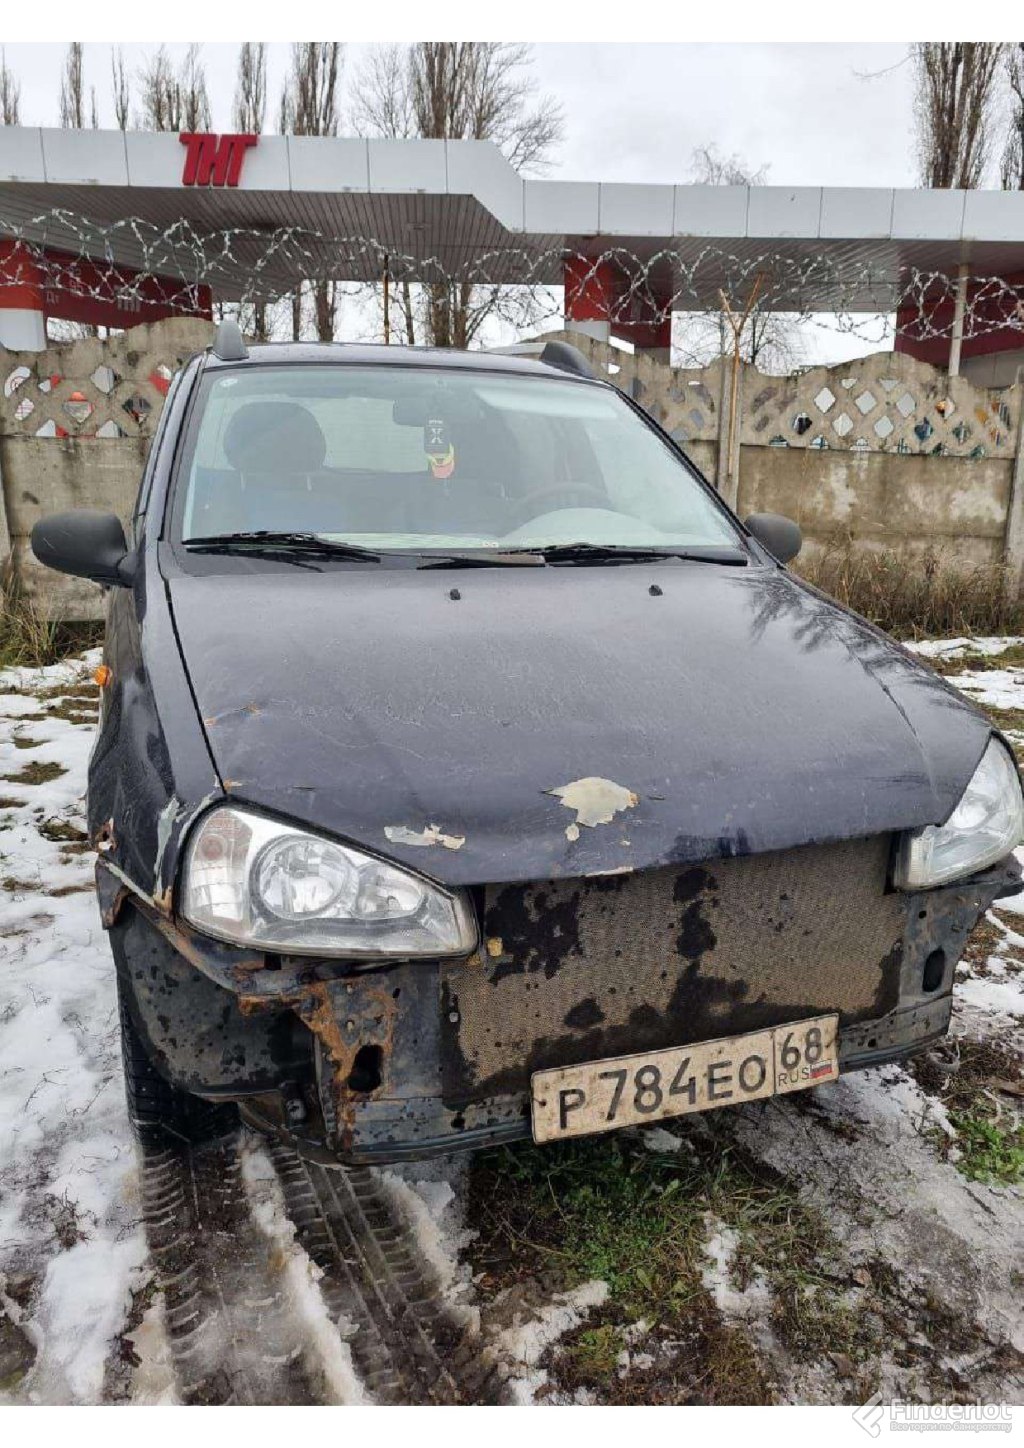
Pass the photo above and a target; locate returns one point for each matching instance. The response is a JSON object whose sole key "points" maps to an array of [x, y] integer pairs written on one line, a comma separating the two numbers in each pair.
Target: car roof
{"points": [[379, 355]]}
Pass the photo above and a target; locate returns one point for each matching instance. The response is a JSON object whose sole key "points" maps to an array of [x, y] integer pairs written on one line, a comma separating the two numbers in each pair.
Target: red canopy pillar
{"points": [[22, 302], [992, 328], [603, 299]]}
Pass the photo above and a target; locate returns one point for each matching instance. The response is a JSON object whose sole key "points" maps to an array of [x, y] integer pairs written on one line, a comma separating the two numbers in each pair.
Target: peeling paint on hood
{"points": [[431, 835], [596, 802]]}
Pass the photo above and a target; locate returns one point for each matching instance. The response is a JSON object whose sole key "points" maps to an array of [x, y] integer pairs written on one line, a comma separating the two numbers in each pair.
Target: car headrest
{"points": [[274, 437]]}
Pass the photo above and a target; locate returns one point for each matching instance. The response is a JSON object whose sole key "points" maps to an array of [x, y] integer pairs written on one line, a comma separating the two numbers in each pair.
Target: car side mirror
{"points": [[781, 536], [86, 544]]}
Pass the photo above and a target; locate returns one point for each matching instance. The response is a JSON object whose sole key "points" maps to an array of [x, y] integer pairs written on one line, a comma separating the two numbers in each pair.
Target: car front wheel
{"points": [[156, 1109]]}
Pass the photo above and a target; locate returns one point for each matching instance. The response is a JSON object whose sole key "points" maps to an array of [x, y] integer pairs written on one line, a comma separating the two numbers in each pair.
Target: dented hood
{"points": [[447, 718]]}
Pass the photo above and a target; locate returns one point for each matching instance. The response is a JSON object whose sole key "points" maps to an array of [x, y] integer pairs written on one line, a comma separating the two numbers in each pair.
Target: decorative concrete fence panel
{"points": [[75, 427]]}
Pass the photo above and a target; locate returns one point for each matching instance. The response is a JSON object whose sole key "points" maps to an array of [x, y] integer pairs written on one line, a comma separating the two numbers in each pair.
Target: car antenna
{"points": [[228, 344]]}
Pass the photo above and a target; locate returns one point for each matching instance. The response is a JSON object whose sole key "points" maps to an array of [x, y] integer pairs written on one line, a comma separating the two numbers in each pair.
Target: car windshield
{"points": [[418, 458]]}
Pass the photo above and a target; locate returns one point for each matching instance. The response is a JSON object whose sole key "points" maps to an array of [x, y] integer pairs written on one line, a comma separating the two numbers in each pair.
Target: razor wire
{"points": [[132, 263]]}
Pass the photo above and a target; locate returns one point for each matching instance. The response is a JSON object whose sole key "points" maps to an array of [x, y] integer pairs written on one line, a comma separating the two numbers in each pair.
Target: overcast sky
{"points": [[636, 112]]}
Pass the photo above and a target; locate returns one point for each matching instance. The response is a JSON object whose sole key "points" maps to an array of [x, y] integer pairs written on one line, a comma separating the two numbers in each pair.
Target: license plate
{"points": [[633, 1090]]}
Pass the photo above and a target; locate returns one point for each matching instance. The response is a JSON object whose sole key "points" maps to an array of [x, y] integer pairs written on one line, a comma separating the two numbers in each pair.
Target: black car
{"points": [[465, 766]]}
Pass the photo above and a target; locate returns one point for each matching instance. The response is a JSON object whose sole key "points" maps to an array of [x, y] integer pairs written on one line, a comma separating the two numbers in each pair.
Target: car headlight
{"points": [[986, 825], [256, 882]]}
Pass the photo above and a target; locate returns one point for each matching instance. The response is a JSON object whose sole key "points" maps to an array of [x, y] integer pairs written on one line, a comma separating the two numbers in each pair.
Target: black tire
{"points": [[156, 1109]]}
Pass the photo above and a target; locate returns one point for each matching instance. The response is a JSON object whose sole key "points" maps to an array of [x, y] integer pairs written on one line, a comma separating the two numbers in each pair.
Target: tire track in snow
{"points": [[233, 1339], [234, 1333], [408, 1345]]}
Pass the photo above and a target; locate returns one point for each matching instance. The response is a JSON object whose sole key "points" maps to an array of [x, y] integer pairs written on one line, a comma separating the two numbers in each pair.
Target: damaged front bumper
{"points": [[419, 1058]]}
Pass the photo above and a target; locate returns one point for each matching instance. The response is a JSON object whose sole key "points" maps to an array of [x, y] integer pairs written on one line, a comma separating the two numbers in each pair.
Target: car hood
{"points": [[510, 724]]}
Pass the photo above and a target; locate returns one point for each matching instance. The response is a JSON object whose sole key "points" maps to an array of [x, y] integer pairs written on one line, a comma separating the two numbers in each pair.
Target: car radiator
{"points": [[582, 969]]}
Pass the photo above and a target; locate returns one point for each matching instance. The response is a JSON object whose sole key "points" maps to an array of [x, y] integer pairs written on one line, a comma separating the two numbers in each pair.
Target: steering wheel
{"points": [[527, 509]]}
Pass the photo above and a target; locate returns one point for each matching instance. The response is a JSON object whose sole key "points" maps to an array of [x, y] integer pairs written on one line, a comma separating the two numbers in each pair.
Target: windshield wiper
{"points": [[283, 544], [609, 553]]}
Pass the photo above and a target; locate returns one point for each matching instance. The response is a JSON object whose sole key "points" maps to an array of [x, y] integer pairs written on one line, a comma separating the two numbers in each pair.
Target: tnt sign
{"points": [[213, 160]]}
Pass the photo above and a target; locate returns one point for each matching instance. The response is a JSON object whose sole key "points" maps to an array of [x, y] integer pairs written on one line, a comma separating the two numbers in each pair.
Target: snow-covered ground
{"points": [[71, 1248], [79, 1318]]}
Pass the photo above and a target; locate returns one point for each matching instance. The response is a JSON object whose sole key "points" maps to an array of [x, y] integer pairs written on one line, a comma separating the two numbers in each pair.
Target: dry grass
{"points": [[928, 595], [29, 639]]}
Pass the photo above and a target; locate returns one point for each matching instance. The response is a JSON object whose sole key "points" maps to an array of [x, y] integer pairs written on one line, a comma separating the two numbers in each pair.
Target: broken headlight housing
{"points": [[256, 882], [986, 825]]}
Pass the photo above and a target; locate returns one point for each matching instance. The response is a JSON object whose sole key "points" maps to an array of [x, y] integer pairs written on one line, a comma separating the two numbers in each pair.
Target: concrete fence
{"points": [[75, 427], [885, 451]]}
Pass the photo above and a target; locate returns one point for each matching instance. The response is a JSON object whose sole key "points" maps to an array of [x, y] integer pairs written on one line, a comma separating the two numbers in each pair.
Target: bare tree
{"points": [[10, 93], [469, 90], [309, 107], [250, 108], [1011, 165], [121, 88], [763, 337], [382, 102], [708, 167], [195, 102], [174, 100], [94, 110], [159, 94], [72, 89], [309, 100], [248, 115], [953, 107]]}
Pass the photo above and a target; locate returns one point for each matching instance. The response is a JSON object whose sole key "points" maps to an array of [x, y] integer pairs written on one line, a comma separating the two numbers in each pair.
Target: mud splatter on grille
{"points": [[576, 970]]}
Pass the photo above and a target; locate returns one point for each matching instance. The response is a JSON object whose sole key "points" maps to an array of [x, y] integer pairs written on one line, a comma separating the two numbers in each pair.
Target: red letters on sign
{"points": [[213, 160]]}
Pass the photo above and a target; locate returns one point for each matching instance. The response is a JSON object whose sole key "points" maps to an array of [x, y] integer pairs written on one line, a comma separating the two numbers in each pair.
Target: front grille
{"points": [[578, 970]]}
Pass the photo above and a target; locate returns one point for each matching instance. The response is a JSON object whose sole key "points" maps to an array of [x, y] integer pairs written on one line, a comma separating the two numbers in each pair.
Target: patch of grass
{"points": [[973, 1080], [29, 638], [916, 595], [35, 773], [25, 741], [72, 713], [7, 801], [1012, 657], [80, 692], [62, 830], [608, 1208], [713, 1362], [991, 1151], [592, 1353]]}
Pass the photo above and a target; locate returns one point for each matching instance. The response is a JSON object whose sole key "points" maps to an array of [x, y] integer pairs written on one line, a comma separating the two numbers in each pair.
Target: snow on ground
{"points": [[525, 1342], [71, 1245], [951, 648]]}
